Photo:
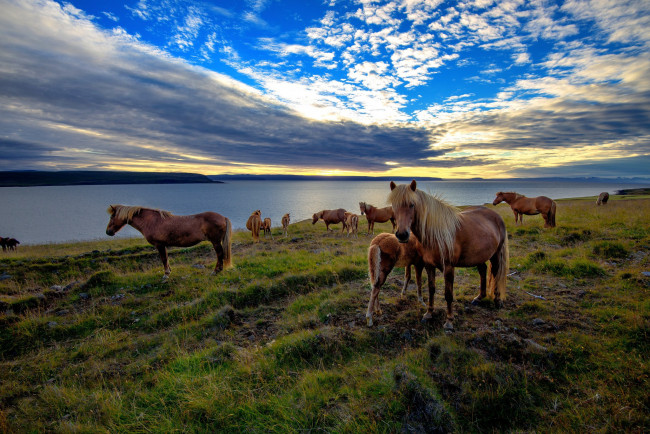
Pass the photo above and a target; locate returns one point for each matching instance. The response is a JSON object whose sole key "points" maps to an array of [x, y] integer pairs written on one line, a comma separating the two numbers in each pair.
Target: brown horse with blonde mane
{"points": [[254, 224], [602, 198], [385, 253], [379, 215], [162, 229], [286, 219], [330, 217], [521, 205], [452, 238]]}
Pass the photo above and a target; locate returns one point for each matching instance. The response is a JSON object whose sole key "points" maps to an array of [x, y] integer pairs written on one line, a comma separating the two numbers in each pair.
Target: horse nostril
{"points": [[402, 237], [109, 232]]}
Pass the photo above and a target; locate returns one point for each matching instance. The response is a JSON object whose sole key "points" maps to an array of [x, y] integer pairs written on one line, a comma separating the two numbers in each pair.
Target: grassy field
{"points": [[92, 340]]}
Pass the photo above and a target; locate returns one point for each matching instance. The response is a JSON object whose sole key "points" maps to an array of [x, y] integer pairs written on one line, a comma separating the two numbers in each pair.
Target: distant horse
{"points": [[3, 243], [352, 224], [453, 238], [379, 215], [266, 226], [385, 253], [330, 217], [11, 243], [285, 223], [254, 224], [162, 229], [602, 198], [521, 205]]}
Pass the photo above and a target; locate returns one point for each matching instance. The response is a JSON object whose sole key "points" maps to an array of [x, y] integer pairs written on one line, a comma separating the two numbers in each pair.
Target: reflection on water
{"points": [[36, 215]]}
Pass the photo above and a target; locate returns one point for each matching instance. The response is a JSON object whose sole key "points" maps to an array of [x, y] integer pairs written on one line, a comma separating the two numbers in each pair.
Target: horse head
{"points": [[362, 207], [315, 217], [499, 198], [403, 200], [117, 220]]}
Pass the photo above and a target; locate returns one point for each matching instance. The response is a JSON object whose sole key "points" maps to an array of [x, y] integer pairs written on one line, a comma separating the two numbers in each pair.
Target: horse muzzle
{"points": [[110, 232], [403, 236]]}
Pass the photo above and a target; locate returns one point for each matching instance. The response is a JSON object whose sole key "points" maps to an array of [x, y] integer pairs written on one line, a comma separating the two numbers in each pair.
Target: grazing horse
{"points": [[330, 217], [285, 223], [266, 226], [385, 253], [602, 198], [254, 224], [379, 215], [352, 224], [521, 205], [452, 238], [162, 229], [11, 243]]}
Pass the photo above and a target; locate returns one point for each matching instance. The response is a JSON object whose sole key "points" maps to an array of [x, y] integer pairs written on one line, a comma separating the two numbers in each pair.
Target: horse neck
{"points": [[436, 227], [145, 221]]}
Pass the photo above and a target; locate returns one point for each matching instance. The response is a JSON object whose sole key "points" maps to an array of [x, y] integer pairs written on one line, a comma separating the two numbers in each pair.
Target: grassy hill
{"points": [[92, 340]]}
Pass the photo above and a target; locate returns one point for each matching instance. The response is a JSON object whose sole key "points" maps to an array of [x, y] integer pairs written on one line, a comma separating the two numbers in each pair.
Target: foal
{"points": [[285, 223]]}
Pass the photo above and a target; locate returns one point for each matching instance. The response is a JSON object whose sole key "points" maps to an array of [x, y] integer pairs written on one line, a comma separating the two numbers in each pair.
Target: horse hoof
{"points": [[165, 278], [475, 302], [498, 304], [426, 317], [369, 321], [448, 326]]}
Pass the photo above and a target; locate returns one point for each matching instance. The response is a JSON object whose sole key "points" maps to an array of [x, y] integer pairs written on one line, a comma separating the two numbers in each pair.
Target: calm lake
{"points": [[39, 215]]}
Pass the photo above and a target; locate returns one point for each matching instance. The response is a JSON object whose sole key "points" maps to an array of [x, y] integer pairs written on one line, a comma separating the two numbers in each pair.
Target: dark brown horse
{"points": [[379, 215], [286, 219], [452, 238], [254, 224], [330, 217], [385, 253], [521, 205], [8, 243], [602, 198], [163, 229]]}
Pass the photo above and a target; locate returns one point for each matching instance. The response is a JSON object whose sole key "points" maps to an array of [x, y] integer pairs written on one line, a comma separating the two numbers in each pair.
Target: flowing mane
{"points": [[436, 219], [123, 212]]}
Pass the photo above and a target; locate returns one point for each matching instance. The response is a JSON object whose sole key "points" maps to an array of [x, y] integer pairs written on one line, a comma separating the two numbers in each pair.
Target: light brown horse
{"points": [[452, 238], [521, 205], [352, 224], [286, 219], [385, 253], [330, 217], [163, 229], [254, 224], [379, 215], [266, 226], [602, 198]]}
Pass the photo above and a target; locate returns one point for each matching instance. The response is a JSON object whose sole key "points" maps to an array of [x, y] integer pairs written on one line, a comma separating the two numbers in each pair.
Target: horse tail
{"points": [[374, 264], [226, 244], [551, 215], [498, 282]]}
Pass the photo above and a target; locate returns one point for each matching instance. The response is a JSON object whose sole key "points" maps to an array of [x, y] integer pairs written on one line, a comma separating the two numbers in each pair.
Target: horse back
{"points": [[481, 233]]}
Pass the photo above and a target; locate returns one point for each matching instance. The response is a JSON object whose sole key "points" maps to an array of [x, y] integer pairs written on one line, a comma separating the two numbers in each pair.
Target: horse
{"points": [[11, 243], [3, 243], [602, 198], [330, 217], [285, 223], [352, 224], [385, 253], [521, 205], [254, 224], [452, 238], [266, 226], [379, 215], [162, 229]]}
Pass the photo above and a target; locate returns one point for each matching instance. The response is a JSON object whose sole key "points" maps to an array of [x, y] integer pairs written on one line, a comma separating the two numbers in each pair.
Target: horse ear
{"points": [[413, 185], [392, 185]]}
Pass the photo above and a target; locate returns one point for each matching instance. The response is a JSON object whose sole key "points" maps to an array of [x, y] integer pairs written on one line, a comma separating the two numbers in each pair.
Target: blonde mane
{"points": [[436, 219], [123, 212]]}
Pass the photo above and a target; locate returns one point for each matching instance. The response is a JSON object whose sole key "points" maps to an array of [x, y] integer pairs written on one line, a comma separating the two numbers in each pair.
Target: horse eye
{"points": [[412, 205]]}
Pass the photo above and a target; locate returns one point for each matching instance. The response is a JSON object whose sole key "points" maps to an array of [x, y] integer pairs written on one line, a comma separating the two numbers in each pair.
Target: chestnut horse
{"points": [[254, 224], [521, 205], [352, 224], [602, 198], [453, 238], [163, 229], [285, 223], [379, 215], [266, 226], [385, 253], [330, 217]]}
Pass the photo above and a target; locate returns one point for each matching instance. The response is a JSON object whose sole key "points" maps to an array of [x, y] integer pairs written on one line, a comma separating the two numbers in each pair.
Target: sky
{"points": [[408, 88]]}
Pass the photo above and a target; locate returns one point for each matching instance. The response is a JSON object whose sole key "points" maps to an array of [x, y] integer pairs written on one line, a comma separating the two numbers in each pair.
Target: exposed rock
{"points": [[538, 322]]}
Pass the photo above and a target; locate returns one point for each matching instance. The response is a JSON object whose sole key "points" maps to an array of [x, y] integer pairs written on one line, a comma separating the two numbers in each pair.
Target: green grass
{"points": [[92, 340]]}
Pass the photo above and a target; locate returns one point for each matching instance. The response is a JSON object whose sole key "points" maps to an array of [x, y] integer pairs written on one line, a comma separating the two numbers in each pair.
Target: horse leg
{"points": [[431, 278], [418, 282], [494, 270], [373, 304], [482, 270], [407, 279], [219, 251], [162, 251], [449, 296]]}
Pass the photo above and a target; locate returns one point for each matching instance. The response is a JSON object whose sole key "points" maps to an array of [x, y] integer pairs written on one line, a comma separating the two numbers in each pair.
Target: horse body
{"points": [[330, 217], [352, 223], [602, 198], [385, 253], [254, 224], [163, 229], [8, 244], [379, 215], [453, 238], [266, 226], [285, 223], [521, 205]]}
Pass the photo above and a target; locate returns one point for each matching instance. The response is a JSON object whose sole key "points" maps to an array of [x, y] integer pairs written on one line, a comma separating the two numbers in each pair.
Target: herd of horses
{"points": [[428, 233], [8, 244]]}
